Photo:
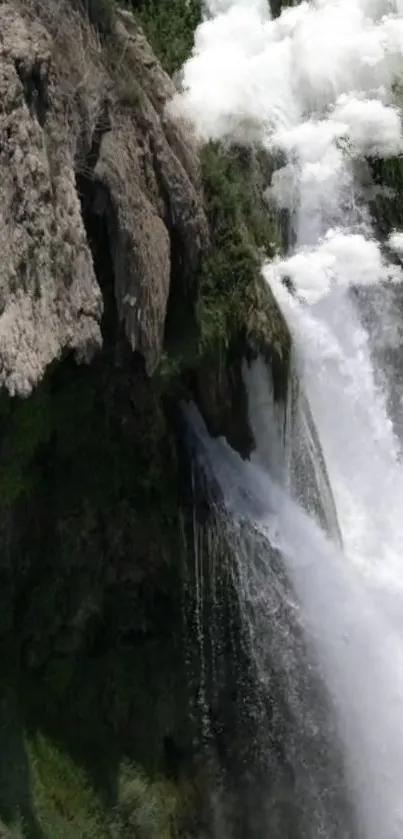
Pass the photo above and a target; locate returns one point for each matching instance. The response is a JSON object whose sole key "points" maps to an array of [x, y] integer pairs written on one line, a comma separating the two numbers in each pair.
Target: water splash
{"points": [[360, 654], [287, 443], [318, 84]]}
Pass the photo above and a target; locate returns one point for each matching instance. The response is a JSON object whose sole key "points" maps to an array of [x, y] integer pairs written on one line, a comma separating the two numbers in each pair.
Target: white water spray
{"points": [[361, 655], [317, 84]]}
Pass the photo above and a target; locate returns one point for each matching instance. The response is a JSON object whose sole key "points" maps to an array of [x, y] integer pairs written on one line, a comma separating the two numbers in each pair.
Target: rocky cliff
{"points": [[129, 280], [84, 132]]}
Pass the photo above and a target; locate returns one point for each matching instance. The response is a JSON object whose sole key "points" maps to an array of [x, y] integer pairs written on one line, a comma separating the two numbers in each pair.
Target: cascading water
{"points": [[318, 85], [359, 652]]}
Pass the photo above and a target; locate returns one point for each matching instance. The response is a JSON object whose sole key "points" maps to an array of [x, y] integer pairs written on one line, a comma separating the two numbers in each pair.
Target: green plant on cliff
{"points": [[65, 806], [170, 28], [244, 232], [144, 809], [90, 476]]}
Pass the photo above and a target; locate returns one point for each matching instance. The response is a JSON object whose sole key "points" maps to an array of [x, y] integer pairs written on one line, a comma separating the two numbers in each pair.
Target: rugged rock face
{"points": [[123, 247], [50, 299], [66, 127]]}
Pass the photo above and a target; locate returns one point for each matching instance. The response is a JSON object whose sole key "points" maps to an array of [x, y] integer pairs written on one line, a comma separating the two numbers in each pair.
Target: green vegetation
{"points": [[170, 28], [91, 591], [144, 809], [243, 233], [233, 303], [94, 528], [64, 804], [52, 797]]}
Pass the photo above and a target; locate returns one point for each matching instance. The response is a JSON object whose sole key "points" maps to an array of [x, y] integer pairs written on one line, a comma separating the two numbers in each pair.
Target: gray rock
{"points": [[65, 112], [49, 297]]}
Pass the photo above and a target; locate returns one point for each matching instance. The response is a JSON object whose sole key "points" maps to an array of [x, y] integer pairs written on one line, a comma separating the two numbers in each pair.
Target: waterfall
{"points": [[287, 443], [359, 653], [315, 517]]}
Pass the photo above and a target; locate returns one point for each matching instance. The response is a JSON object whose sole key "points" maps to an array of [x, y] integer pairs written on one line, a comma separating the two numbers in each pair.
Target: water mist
{"points": [[317, 85]]}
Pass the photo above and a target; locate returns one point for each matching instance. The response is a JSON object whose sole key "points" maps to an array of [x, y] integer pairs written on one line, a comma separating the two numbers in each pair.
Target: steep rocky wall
{"points": [[50, 299], [130, 250], [74, 116]]}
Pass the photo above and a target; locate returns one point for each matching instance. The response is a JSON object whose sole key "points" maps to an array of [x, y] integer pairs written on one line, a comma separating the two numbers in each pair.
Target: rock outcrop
{"points": [[115, 252], [49, 297], [83, 124]]}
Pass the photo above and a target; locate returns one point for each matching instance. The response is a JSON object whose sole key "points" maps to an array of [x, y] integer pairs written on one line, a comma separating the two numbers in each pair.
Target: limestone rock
{"points": [[49, 297], [84, 132], [148, 170]]}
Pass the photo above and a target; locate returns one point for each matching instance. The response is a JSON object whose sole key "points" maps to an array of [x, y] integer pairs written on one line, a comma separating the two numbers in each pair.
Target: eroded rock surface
{"points": [[49, 298], [75, 115]]}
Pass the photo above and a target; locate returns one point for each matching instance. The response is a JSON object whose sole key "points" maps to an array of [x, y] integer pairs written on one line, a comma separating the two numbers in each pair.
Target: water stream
{"points": [[318, 84]]}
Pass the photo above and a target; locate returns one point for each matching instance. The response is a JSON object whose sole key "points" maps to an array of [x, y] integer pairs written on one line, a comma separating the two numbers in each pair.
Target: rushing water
{"points": [[359, 651], [318, 84]]}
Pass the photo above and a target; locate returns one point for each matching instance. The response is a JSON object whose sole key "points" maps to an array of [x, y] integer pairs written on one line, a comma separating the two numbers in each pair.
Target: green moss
{"points": [[91, 585]]}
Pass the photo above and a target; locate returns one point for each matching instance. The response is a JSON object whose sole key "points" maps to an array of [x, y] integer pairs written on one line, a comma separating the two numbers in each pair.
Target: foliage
{"points": [[56, 799], [243, 232], [145, 809], [89, 474], [170, 28], [65, 806]]}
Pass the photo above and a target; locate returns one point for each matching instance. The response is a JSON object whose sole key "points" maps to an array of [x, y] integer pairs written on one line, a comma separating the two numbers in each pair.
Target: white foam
{"points": [[340, 259], [318, 84], [247, 69], [395, 242]]}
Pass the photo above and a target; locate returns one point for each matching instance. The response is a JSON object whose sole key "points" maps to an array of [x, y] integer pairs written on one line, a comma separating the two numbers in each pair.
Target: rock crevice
{"points": [[73, 108]]}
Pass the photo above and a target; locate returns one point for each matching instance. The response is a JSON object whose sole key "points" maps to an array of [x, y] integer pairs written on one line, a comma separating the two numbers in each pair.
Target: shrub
{"points": [[145, 809], [65, 804], [170, 28]]}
